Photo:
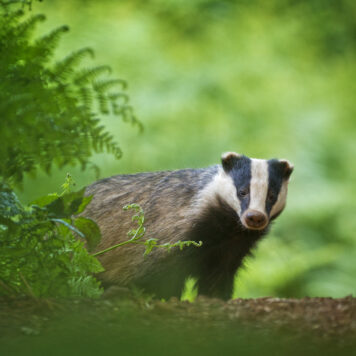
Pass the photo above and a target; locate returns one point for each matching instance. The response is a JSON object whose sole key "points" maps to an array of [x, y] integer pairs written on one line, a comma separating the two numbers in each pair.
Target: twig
{"points": [[5, 286], [28, 287]]}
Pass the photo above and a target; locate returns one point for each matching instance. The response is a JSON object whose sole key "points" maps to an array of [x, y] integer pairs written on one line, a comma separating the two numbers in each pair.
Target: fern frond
{"points": [[103, 85], [86, 96], [6, 5], [115, 96], [128, 116], [14, 2], [45, 45], [86, 76], [56, 107], [67, 66], [26, 27], [125, 111], [103, 103]]}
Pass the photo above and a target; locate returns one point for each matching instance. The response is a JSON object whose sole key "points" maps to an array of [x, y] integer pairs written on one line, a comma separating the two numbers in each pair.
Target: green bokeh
{"points": [[260, 78]]}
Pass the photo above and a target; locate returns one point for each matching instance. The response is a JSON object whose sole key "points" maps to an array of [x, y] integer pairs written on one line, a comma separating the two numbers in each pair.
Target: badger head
{"points": [[255, 188]]}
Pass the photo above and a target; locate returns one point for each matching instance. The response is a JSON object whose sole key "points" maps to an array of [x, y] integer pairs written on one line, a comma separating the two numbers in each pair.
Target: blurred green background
{"points": [[263, 78]]}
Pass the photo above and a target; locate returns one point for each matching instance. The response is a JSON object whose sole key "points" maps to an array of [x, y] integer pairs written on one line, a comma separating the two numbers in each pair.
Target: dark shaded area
{"points": [[141, 326]]}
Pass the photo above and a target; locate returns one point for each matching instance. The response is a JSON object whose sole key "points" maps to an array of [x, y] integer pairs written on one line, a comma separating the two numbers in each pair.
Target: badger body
{"points": [[228, 207]]}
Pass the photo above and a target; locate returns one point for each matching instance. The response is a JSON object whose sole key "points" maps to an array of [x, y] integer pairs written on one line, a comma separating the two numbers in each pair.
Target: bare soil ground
{"points": [[138, 325]]}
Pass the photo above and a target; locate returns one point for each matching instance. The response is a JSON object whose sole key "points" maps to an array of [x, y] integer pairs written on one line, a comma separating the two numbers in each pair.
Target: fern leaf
{"points": [[116, 96], [27, 26], [86, 97], [103, 103], [57, 108], [46, 44], [86, 76], [103, 85], [12, 16], [67, 66]]}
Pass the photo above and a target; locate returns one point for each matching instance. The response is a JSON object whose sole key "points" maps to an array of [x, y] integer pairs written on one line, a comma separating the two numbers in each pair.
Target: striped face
{"points": [[260, 187]]}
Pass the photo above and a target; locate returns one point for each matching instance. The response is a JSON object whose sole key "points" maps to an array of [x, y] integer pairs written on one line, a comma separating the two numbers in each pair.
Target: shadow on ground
{"points": [[143, 326]]}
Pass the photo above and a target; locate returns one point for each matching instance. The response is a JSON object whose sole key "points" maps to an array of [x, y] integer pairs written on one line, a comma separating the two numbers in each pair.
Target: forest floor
{"points": [[144, 326]]}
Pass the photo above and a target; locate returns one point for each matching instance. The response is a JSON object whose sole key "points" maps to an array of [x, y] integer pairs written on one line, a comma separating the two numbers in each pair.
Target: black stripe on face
{"points": [[276, 172], [241, 175]]}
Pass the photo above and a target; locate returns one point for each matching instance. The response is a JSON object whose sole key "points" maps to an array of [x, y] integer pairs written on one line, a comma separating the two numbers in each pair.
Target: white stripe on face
{"points": [[221, 186], [258, 185], [281, 200]]}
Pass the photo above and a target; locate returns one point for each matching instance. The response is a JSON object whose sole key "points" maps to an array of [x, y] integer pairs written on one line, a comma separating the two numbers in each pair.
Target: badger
{"points": [[229, 207]]}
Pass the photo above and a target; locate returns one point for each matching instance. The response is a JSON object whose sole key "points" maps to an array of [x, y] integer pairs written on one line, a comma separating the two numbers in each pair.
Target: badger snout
{"points": [[255, 220]]}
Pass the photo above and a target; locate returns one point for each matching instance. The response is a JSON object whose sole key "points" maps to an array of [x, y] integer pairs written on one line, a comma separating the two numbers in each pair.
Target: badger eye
{"points": [[243, 192]]}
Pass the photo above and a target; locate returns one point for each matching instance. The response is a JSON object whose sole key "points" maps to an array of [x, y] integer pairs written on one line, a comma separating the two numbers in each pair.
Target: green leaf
{"points": [[68, 204], [46, 200], [57, 208], [73, 201], [150, 244], [13, 252], [90, 230], [85, 202]]}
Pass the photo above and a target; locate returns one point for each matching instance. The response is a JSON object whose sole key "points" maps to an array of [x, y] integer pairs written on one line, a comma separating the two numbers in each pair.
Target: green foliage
{"points": [[137, 234], [41, 254], [190, 290], [50, 110]]}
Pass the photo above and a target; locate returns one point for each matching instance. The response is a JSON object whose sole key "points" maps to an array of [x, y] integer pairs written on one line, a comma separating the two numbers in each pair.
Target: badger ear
{"points": [[287, 168], [229, 159]]}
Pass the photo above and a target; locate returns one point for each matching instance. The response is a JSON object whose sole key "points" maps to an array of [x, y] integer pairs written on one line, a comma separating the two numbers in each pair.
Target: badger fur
{"points": [[228, 207]]}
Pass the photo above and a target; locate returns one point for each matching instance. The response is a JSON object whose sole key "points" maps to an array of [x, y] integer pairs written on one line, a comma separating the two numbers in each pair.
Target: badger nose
{"points": [[254, 219]]}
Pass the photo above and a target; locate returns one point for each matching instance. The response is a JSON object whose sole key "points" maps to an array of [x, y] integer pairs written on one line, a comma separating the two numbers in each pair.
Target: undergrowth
{"points": [[42, 249]]}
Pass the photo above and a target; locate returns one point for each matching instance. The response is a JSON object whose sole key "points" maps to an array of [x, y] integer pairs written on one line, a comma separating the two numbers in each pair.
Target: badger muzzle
{"points": [[254, 220]]}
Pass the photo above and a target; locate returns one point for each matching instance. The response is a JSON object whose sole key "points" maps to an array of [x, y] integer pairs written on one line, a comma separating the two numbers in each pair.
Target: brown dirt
{"points": [[326, 321]]}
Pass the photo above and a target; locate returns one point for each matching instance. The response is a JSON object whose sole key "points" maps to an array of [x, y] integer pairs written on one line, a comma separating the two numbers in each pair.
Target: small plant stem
{"points": [[115, 246], [5, 286], [131, 241], [140, 232]]}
